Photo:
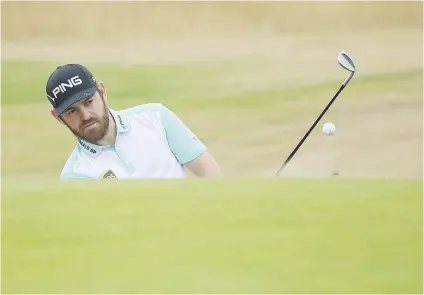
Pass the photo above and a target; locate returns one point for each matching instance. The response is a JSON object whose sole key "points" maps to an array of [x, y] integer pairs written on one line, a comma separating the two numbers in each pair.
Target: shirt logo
{"points": [[108, 175], [89, 149], [120, 122]]}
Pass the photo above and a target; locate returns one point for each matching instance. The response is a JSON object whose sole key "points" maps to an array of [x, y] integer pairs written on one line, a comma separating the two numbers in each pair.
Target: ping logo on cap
{"points": [[61, 88]]}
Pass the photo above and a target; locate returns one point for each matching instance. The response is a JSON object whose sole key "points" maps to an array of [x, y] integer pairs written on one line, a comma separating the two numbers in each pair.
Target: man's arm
{"points": [[185, 145], [204, 166]]}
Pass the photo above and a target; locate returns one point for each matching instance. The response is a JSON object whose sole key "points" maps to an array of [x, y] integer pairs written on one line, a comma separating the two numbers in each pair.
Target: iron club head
{"points": [[347, 63]]}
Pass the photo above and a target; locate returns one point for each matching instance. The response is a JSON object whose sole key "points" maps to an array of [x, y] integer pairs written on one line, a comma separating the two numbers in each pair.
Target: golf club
{"points": [[347, 63]]}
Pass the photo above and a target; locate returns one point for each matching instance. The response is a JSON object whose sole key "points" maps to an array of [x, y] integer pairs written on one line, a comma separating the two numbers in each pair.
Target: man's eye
{"points": [[89, 101], [71, 112]]}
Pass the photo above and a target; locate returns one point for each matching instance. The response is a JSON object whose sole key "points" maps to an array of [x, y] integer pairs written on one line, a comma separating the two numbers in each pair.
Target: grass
{"points": [[187, 86], [189, 90], [292, 236], [199, 236]]}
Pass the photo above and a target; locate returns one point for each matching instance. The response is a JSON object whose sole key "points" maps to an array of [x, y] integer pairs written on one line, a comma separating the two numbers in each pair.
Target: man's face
{"points": [[88, 119]]}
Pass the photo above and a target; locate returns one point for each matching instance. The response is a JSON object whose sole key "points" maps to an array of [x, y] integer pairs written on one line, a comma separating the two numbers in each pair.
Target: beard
{"points": [[94, 129]]}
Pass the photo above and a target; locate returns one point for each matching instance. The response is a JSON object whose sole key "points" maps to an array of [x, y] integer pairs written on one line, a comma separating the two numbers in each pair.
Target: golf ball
{"points": [[329, 128]]}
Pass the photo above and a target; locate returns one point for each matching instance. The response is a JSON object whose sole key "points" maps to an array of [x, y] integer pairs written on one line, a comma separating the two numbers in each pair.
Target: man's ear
{"points": [[54, 114], [103, 90]]}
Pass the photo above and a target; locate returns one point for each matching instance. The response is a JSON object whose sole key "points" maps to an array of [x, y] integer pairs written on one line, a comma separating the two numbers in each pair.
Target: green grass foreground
{"points": [[199, 236]]}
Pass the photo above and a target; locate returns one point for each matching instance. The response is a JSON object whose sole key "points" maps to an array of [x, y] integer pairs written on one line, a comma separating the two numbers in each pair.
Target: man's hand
{"points": [[204, 166]]}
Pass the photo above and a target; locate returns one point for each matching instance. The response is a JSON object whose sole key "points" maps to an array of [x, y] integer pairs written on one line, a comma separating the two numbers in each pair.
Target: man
{"points": [[145, 141]]}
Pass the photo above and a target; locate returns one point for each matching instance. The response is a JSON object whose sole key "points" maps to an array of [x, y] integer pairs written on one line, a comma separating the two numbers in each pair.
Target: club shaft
{"points": [[348, 78], [311, 128]]}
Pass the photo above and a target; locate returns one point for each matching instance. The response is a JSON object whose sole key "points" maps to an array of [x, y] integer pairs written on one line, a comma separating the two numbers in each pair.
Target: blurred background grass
{"points": [[114, 22]]}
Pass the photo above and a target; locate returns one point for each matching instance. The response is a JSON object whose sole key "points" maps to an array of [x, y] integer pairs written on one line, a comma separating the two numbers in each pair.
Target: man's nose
{"points": [[84, 114]]}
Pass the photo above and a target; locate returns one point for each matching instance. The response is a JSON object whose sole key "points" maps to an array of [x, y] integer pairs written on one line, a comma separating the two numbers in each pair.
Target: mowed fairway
{"points": [[334, 236], [249, 79]]}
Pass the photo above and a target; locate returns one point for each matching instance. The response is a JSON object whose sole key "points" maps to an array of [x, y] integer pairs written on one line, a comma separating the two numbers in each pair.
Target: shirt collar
{"points": [[121, 124], [94, 150]]}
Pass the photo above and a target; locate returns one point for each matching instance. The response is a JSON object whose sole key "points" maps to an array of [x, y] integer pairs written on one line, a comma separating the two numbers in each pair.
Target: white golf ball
{"points": [[329, 128]]}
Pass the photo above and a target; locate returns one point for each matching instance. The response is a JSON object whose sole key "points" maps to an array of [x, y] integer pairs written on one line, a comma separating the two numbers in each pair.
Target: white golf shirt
{"points": [[151, 142]]}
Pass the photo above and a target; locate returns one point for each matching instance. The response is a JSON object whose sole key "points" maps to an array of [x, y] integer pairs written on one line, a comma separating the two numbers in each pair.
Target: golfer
{"points": [[145, 141]]}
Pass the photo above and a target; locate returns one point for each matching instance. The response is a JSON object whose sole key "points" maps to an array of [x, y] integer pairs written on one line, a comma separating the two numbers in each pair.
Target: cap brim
{"points": [[77, 97]]}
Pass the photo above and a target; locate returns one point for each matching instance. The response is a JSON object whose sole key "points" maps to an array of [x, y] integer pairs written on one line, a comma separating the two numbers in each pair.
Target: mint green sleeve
{"points": [[183, 143]]}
